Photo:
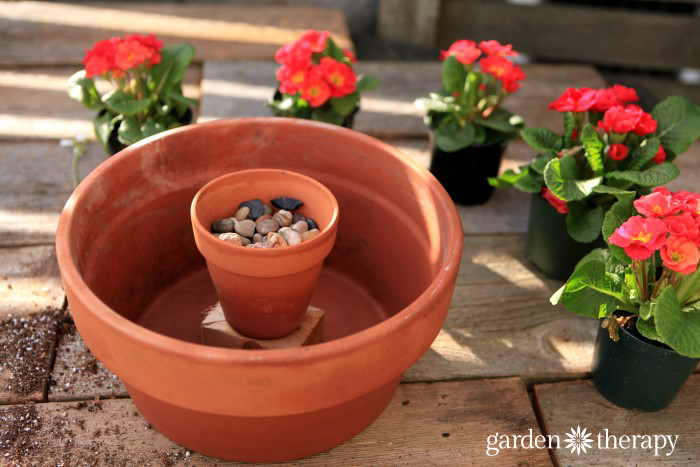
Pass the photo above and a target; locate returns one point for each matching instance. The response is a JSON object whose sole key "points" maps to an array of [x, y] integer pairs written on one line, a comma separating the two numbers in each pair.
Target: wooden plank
{"points": [[586, 32], [413, 21], [77, 374], [501, 323], [571, 404], [54, 33], [31, 299], [233, 89], [36, 105], [425, 424]]}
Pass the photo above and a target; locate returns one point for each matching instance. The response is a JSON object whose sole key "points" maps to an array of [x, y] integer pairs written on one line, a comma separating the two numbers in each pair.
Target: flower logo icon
{"points": [[578, 440]]}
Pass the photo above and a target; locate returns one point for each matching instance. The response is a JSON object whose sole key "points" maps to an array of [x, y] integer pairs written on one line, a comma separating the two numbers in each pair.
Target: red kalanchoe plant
{"points": [[317, 80], [648, 278], [146, 80], [476, 79], [610, 147]]}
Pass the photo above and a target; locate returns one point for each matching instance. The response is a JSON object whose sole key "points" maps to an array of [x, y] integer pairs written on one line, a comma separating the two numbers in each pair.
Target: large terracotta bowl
{"points": [[137, 285]]}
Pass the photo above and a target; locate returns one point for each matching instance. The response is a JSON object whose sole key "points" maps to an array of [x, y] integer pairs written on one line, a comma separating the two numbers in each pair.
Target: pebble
{"points": [[245, 228], [267, 209], [266, 226], [300, 226], [291, 236], [312, 225], [275, 240], [232, 238], [257, 238], [306, 236], [298, 217], [284, 202], [223, 225], [283, 218], [255, 206], [242, 214]]}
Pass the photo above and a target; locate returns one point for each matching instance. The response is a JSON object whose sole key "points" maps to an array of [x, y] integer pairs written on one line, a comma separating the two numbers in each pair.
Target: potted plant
{"points": [[146, 96], [646, 288], [608, 147], [317, 81], [469, 128]]}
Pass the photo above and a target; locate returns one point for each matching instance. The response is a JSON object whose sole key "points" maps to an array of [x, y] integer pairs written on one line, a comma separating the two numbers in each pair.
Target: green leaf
{"points": [[453, 74], [83, 89], [450, 137], [617, 192], [151, 128], [122, 103], [176, 96], [332, 50], [561, 178], [569, 127], [328, 116], [678, 124], [542, 139], [345, 105], [129, 131], [104, 124], [499, 120], [540, 162], [584, 223], [646, 310], [655, 176], [647, 328], [365, 83], [646, 153], [433, 105], [528, 183], [591, 291], [169, 73], [594, 148], [678, 329], [614, 218]]}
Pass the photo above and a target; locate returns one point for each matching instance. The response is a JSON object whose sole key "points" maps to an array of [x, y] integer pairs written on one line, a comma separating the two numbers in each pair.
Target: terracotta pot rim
{"points": [[198, 352], [274, 252]]}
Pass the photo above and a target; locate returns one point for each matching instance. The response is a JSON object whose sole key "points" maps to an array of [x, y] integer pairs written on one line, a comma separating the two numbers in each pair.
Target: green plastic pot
{"points": [[549, 246], [637, 374]]}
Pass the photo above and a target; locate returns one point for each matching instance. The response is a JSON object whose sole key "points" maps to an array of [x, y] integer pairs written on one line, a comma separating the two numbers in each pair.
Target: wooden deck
{"points": [[505, 362]]}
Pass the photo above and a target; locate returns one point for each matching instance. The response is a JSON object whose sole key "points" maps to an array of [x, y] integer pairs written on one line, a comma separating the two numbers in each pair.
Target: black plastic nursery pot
{"points": [[549, 246], [636, 374], [464, 173]]}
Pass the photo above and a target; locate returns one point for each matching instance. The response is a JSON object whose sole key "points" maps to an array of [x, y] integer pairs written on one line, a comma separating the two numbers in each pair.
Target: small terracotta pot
{"points": [[264, 292]]}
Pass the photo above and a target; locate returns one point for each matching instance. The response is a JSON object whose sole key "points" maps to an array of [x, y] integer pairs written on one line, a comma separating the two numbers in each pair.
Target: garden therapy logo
{"points": [[580, 441]]}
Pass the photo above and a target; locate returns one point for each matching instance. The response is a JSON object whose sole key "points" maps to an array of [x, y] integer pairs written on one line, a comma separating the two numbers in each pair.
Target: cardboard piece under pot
{"points": [[217, 332]]}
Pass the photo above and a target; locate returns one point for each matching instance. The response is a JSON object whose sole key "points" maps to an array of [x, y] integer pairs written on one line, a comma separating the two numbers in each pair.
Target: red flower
{"points": [[296, 54], [657, 204], [464, 51], [618, 152], [557, 203], [497, 66], [130, 54], [640, 237], [100, 59], [315, 90], [315, 39], [510, 79], [291, 79], [660, 155], [684, 225], [151, 43], [495, 48], [575, 100], [624, 94], [645, 125], [340, 77], [690, 202], [680, 255], [350, 56]]}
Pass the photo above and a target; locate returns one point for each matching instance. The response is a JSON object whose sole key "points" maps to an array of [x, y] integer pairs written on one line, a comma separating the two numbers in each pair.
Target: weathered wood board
{"points": [[501, 323], [36, 105], [425, 424], [241, 88], [58, 33], [567, 405]]}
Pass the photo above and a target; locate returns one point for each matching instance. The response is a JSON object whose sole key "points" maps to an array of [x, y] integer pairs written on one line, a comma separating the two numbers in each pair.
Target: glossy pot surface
{"points": [[137, 285]]}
